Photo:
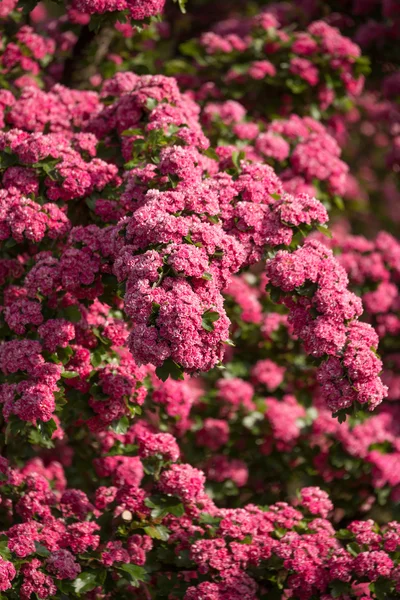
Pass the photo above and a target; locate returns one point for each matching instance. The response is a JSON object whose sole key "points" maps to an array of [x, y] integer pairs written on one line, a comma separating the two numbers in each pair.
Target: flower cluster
{"points": [[62, 543], [324, 315], [302, 152], [250, 57], [138, 10]]}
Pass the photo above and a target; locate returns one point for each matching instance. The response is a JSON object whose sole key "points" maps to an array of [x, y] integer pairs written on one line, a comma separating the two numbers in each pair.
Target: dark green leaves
{"points": [[121, 426], [155, 309], [169, 368], [382, 589], [7, 160], [208, 319], [158, 532], [237, 157], [107, 20], [344, 534], [133, 573], [42, 434], [72, 313], [210, 152], [69, 374], [164, 505], [338, 588], [41, 550], [85, 582], [274, 294], [48, 165], [4, 551]]}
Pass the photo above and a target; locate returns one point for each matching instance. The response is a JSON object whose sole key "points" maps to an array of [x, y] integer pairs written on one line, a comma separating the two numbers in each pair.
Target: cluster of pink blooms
{"points": [[374, 266], [324, 315], [299, 148], [375, 26], [66, 175], [263, 53], [21, 58], [60, 533], [173, 292], [6, 7], [139, 10], [193, 229], [356, 444]]}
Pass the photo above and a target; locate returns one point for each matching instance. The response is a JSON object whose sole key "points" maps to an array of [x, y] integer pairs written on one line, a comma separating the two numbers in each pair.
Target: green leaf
{"points": [[174, 180], [275, 295], [135, 573], [182, 5], [324, 229], [308, 290], [96, 358], [207, 276], [210, 152], [338, 588], [237, 157], [42, 434], [315, 112], [85, 582], [72, 313], [208, 519], [107, 20], [47, 429], [151, 103], [4, 551], [64, 354], [27, 6], [190, 48], [158, 532], [208, 319], [91, 203], [10, 243], [344, 534], [164, 505], [41, 550], [382, 589], [129, 132], [7, 160], [69, 374], [121, 426], [338, 202], [169, 368], [155, 310], [353, 548]]}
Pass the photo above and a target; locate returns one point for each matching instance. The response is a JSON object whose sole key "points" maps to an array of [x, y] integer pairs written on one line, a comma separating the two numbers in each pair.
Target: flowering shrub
{"points": [[192, 403], [312, 70]]}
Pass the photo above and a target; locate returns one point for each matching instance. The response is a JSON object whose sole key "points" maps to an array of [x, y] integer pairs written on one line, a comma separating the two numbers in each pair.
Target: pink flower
{"points": [[305, 70]]}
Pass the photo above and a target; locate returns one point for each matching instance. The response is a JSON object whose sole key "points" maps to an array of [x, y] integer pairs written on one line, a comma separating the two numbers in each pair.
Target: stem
{"points": [[73, 70], [70, 65]]}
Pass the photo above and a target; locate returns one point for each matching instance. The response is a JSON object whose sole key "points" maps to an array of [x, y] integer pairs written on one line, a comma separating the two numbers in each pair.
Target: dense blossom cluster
{"points": [[303, 153], [191, 399], [250, 57], [138, 9], [327, 323], [59, 543]]}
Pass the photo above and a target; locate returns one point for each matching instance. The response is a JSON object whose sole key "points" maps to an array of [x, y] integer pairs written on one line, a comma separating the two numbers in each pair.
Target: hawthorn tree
{"points": [[196, 281]]}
